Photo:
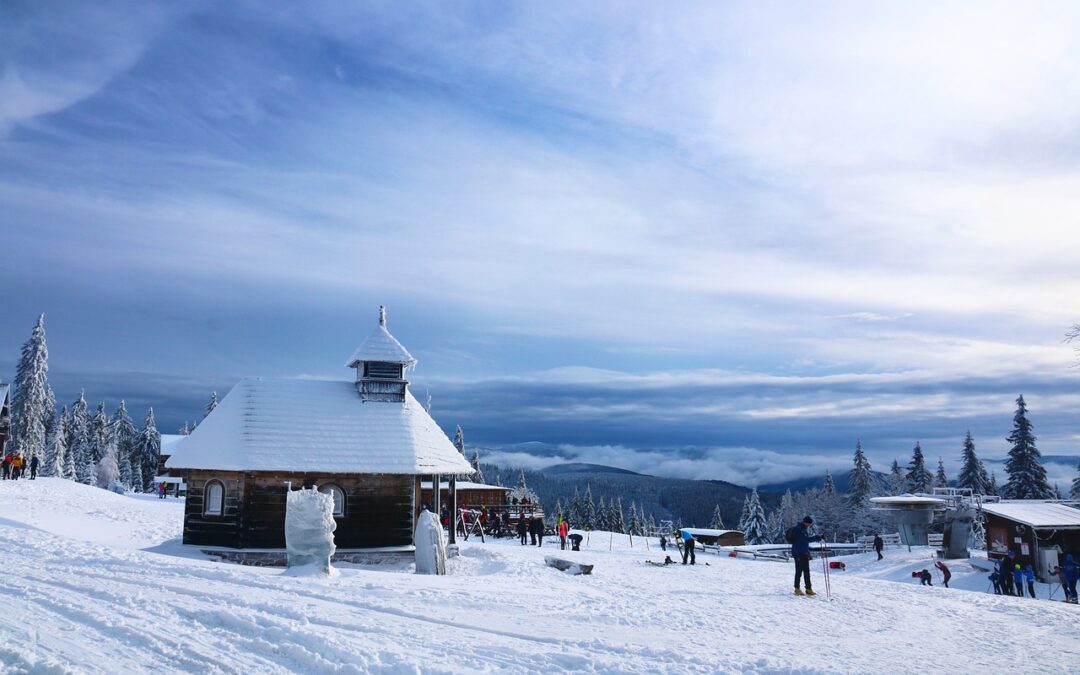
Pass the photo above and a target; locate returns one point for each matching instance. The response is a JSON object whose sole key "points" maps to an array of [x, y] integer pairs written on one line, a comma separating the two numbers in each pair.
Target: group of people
{"points": [[926, 579], [1010, 578], [14, 466], [531, 527]]}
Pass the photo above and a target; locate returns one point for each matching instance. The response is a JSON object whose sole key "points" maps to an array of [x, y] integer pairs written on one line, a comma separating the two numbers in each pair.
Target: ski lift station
{"points": [[914, 514]]}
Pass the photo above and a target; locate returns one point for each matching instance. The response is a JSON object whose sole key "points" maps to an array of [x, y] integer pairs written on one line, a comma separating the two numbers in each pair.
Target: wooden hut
{"points": [[1037, 532], [472, 496], [5, 416], [366, 442]]}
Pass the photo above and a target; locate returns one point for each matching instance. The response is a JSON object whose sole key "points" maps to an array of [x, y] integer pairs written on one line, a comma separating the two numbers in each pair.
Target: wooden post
{"points": [[453, 509], [417, 501], [436, 497]]}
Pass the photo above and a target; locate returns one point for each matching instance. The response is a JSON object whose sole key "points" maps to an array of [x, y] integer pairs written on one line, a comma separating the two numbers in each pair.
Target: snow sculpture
{"points": [[309, 529], [430, 544]]}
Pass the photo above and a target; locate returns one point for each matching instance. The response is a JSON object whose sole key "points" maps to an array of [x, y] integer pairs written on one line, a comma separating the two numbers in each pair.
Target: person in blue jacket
{"points": [[689, 543], [1005, 572], [1072, 573], [800, 551], [1029, 577], [1018, 580]]}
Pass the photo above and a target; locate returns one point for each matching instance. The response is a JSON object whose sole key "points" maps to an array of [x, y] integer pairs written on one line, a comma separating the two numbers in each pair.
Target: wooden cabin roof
{"points": [[1037, 514], [271, 424], [380, 346]]}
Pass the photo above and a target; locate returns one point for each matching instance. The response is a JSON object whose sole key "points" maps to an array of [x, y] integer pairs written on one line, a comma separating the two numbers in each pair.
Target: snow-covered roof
{"points": [[704, 532], [270, 424], [908, 500], [464, 485], [380, 346], [169, 443], [1036, 514]]}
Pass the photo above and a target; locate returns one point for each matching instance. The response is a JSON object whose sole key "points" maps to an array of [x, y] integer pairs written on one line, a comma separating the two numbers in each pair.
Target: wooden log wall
{"points": [[204, 530]]}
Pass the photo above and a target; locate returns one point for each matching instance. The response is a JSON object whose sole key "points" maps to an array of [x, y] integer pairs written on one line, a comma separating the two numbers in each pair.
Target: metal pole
{"points": [[453, 509], [436, 496]]}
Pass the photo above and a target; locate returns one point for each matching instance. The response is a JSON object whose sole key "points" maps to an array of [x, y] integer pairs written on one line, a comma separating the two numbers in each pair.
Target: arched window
{"points": [[214, 498], [339, 498]]}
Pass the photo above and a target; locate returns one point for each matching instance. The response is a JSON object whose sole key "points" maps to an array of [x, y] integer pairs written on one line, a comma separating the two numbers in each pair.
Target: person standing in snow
{"points": [[564, 529], [1004, 570], [1029, 577], [16, 467], [800, 538], [33, 467], [689, 544], [1071, 573], [879, 544], [522, 529], [1018, 580], [5, 465], [161, 490], [945, 572], [538, 523], [663, 542], [995, 579]]}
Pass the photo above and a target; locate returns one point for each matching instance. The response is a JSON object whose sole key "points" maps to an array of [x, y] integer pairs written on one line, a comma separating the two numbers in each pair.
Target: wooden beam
{"points": [[453, 508]]}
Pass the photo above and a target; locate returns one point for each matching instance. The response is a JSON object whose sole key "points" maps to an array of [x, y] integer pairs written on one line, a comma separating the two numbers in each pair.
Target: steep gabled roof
{"points": [[380, 346], [269, 424]]}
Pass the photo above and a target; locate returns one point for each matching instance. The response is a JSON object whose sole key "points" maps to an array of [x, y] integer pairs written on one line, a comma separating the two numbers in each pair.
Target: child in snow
{"points": [[945, 573], [925, 579], [1018, 580], [1029, 577], [800, 538]]}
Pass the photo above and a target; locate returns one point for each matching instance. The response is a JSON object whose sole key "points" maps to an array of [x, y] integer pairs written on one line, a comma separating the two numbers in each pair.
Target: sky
{"points": [[719, 241]]}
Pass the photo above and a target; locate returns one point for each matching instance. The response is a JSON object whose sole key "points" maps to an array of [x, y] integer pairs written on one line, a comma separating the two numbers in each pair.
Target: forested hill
{"points": [[692, 501]]}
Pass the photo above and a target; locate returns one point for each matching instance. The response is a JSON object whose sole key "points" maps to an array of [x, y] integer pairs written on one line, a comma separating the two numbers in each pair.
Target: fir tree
{"points": [[212, 404], [185, 430], [1027, 477], [32, 402], [56, 453], [830, 486], [940, 479], [575, 509], [1075, 492], [108, 472], [588, 510], [918, 478], [972, 472], [618, 522], [860, 479], [992, 486], [459, 443], [80, 442], [634, 526], [69, 466], [602, 522], [149, 450], [785, 517], [756, 529], [478, 473], [717, 521], [897, 481], [99, 434], [745, 515], [126, 438]]}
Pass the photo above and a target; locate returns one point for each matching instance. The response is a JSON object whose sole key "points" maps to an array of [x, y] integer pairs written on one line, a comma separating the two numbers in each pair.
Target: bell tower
{"points": [[380, 363]]}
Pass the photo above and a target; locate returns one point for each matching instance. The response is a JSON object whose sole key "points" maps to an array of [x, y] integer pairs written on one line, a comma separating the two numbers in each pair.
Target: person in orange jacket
{"points": [[564, 529]]}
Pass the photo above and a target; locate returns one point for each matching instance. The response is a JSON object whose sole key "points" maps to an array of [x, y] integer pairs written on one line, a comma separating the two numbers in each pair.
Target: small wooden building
{"points": [[1039, 533], [5, 417], [473, 496], [366, 442]]}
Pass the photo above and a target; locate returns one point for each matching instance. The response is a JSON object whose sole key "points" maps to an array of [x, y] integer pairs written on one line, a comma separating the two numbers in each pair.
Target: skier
{"points": [[688, 546], [522, 529], [663, 543], [33, 467], [924, 578], [1004, 570], [564, 529], [1071, 575], [995, 579], [1029, 577], [879, 544], [800, 538], [1018, 580], [945, 572]]}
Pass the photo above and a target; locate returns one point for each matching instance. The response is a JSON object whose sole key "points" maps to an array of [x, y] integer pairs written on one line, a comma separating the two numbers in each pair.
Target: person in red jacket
{"points": [[944, 572], [564, 529]]}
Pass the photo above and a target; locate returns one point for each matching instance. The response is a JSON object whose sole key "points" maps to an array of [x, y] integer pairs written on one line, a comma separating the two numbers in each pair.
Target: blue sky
{"points": [[717, 241]]}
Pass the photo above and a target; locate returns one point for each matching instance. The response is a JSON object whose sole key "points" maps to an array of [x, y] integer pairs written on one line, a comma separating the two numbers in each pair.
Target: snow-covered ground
{"points": [[97, 582]]}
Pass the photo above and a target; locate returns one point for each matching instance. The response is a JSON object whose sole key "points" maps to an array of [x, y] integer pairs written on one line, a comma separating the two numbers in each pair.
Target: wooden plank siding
{"points": [[378, 509]]}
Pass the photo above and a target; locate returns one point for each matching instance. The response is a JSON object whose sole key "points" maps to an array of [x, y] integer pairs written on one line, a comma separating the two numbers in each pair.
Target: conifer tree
{"points": [[1027, 477], [602, 515], [588, 510], [212, 404], [108, 473], [459, 443], [149, 450], [185, 430], [99, 434], [918, 478], [830, 486], [80, 442], [756, 529], [70, 472], [478, 473], [32, 401], [618, 521], [972, 472], [56, 453], [897, 480], [559, 513], [860, 480], [745, 515], [717, 521], [126, 438], [992, 487], [940, 479], [575, 509], [634, 526], [785, 517], [1075, 492]]}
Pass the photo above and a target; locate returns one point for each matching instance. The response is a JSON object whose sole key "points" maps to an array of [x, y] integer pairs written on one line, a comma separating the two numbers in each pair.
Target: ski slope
{"points": [[97, 583]]}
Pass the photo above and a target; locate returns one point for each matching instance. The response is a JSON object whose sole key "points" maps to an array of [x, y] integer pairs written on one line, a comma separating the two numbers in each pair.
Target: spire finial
{"points": [[382, 316]]}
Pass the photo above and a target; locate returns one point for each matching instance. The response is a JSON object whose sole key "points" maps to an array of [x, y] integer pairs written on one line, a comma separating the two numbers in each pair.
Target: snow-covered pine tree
{"points": [[560, 514], [992, 486], [1075, 492], [1027, 477], [756, 529], [126, 438], [940, 479], [211, 405], [99, 434], [575, 509], [80, 441], [897, 482], [918, 478], [634, 525], [745, 515], [618, 521], [478, 475], [588, 510], [108, 472], [830, 486], [459, 443], [149, 449], [56, 451], [860, 480], [185, 430], [972, 471], [717, 521], [32, 402], [1057, 492], [785, 517], [70, 472]]}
